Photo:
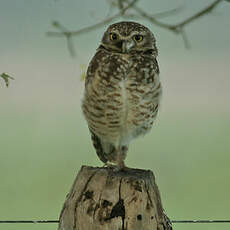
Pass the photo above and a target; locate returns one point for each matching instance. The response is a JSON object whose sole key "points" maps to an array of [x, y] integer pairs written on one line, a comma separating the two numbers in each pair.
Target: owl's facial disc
{"points": [[129, 38]]}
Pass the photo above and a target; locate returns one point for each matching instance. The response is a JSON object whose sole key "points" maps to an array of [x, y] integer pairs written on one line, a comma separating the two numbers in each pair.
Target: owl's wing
{"points": [[94, 102], [95, 65]]}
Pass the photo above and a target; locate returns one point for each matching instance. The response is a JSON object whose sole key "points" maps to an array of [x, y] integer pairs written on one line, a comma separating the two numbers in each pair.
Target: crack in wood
{"points": [[118, 209], [106, 203], [96, 206], [80, 198], [88, 195], [122, 207], [149, 197]]}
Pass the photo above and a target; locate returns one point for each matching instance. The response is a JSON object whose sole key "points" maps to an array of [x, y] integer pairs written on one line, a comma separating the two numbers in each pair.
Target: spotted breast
{"points": [[122, 94]]}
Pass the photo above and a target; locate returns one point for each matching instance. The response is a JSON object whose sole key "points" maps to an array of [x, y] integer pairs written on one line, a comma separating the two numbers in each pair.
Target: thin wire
{"points": [[57, 221], [200, 221], [28, 221]]}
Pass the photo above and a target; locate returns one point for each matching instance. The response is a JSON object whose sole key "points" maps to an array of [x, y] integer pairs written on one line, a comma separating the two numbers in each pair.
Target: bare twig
{"points": [[123, 6], [150, 18], [179, 27], [69, 34], [111, 8], [185, 39], [168, 12], [132, 16], [70, 46], [92, 27], [199, 14], [155, 15]]}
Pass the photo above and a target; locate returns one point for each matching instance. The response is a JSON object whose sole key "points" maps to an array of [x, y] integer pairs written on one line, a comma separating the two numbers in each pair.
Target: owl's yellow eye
{"points": [[113, 36], [138, 37]]}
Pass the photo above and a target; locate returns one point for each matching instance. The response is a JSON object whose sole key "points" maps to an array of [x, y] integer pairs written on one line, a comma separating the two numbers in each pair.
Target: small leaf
{"points": [[6, 78], [83, 72]]}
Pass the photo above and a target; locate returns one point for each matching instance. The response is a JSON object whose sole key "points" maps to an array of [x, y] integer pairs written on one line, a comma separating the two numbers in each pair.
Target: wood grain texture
{"points": [[103, 198]]}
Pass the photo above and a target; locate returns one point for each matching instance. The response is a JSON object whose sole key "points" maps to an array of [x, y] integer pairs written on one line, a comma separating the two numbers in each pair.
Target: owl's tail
{"points": [[98, 146], [107, 153]]}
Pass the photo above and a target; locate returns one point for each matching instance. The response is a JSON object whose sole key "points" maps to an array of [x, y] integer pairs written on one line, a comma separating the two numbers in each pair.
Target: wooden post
{"points": [[106, 199]]}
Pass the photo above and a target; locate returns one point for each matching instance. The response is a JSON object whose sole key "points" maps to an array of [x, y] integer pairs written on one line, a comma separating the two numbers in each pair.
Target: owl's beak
{"points": [[127, 45]]}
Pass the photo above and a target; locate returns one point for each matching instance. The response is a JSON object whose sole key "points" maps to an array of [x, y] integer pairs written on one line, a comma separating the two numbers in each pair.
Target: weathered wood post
{"points": [[106, 199]]}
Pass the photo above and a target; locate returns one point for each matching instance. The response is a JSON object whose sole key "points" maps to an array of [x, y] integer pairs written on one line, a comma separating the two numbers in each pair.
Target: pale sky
{"points": [[42, 66]]}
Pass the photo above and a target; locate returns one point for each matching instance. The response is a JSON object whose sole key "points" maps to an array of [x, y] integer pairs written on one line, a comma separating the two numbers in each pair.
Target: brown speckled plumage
{"points": [[122, 90]]}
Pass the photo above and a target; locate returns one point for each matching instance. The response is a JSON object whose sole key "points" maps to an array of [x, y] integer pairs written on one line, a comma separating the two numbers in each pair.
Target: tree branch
{"points": [[123, 6], [69, 34], [92, 27], [199, 14], [177, 27]]}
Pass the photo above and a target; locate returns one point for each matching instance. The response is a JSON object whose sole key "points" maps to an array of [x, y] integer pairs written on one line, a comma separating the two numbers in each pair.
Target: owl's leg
{"points": [[121, 157], [111, 156], [115, 157]]}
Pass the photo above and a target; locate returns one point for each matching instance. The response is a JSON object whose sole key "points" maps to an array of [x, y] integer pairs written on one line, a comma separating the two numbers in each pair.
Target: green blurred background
{"points": [[44, 139]]}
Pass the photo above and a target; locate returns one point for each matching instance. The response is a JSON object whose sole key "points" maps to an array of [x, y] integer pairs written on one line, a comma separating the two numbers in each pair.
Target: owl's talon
{"points": [[115, 167], [108, 165]]}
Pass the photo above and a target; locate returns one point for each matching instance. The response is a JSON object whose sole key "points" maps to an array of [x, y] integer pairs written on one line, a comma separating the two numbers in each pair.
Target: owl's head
{"points": [[129, 37]]}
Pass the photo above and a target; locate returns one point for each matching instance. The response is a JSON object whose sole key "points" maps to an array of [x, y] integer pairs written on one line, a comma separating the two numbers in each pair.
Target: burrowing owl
{"points": [[122, 90]]}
